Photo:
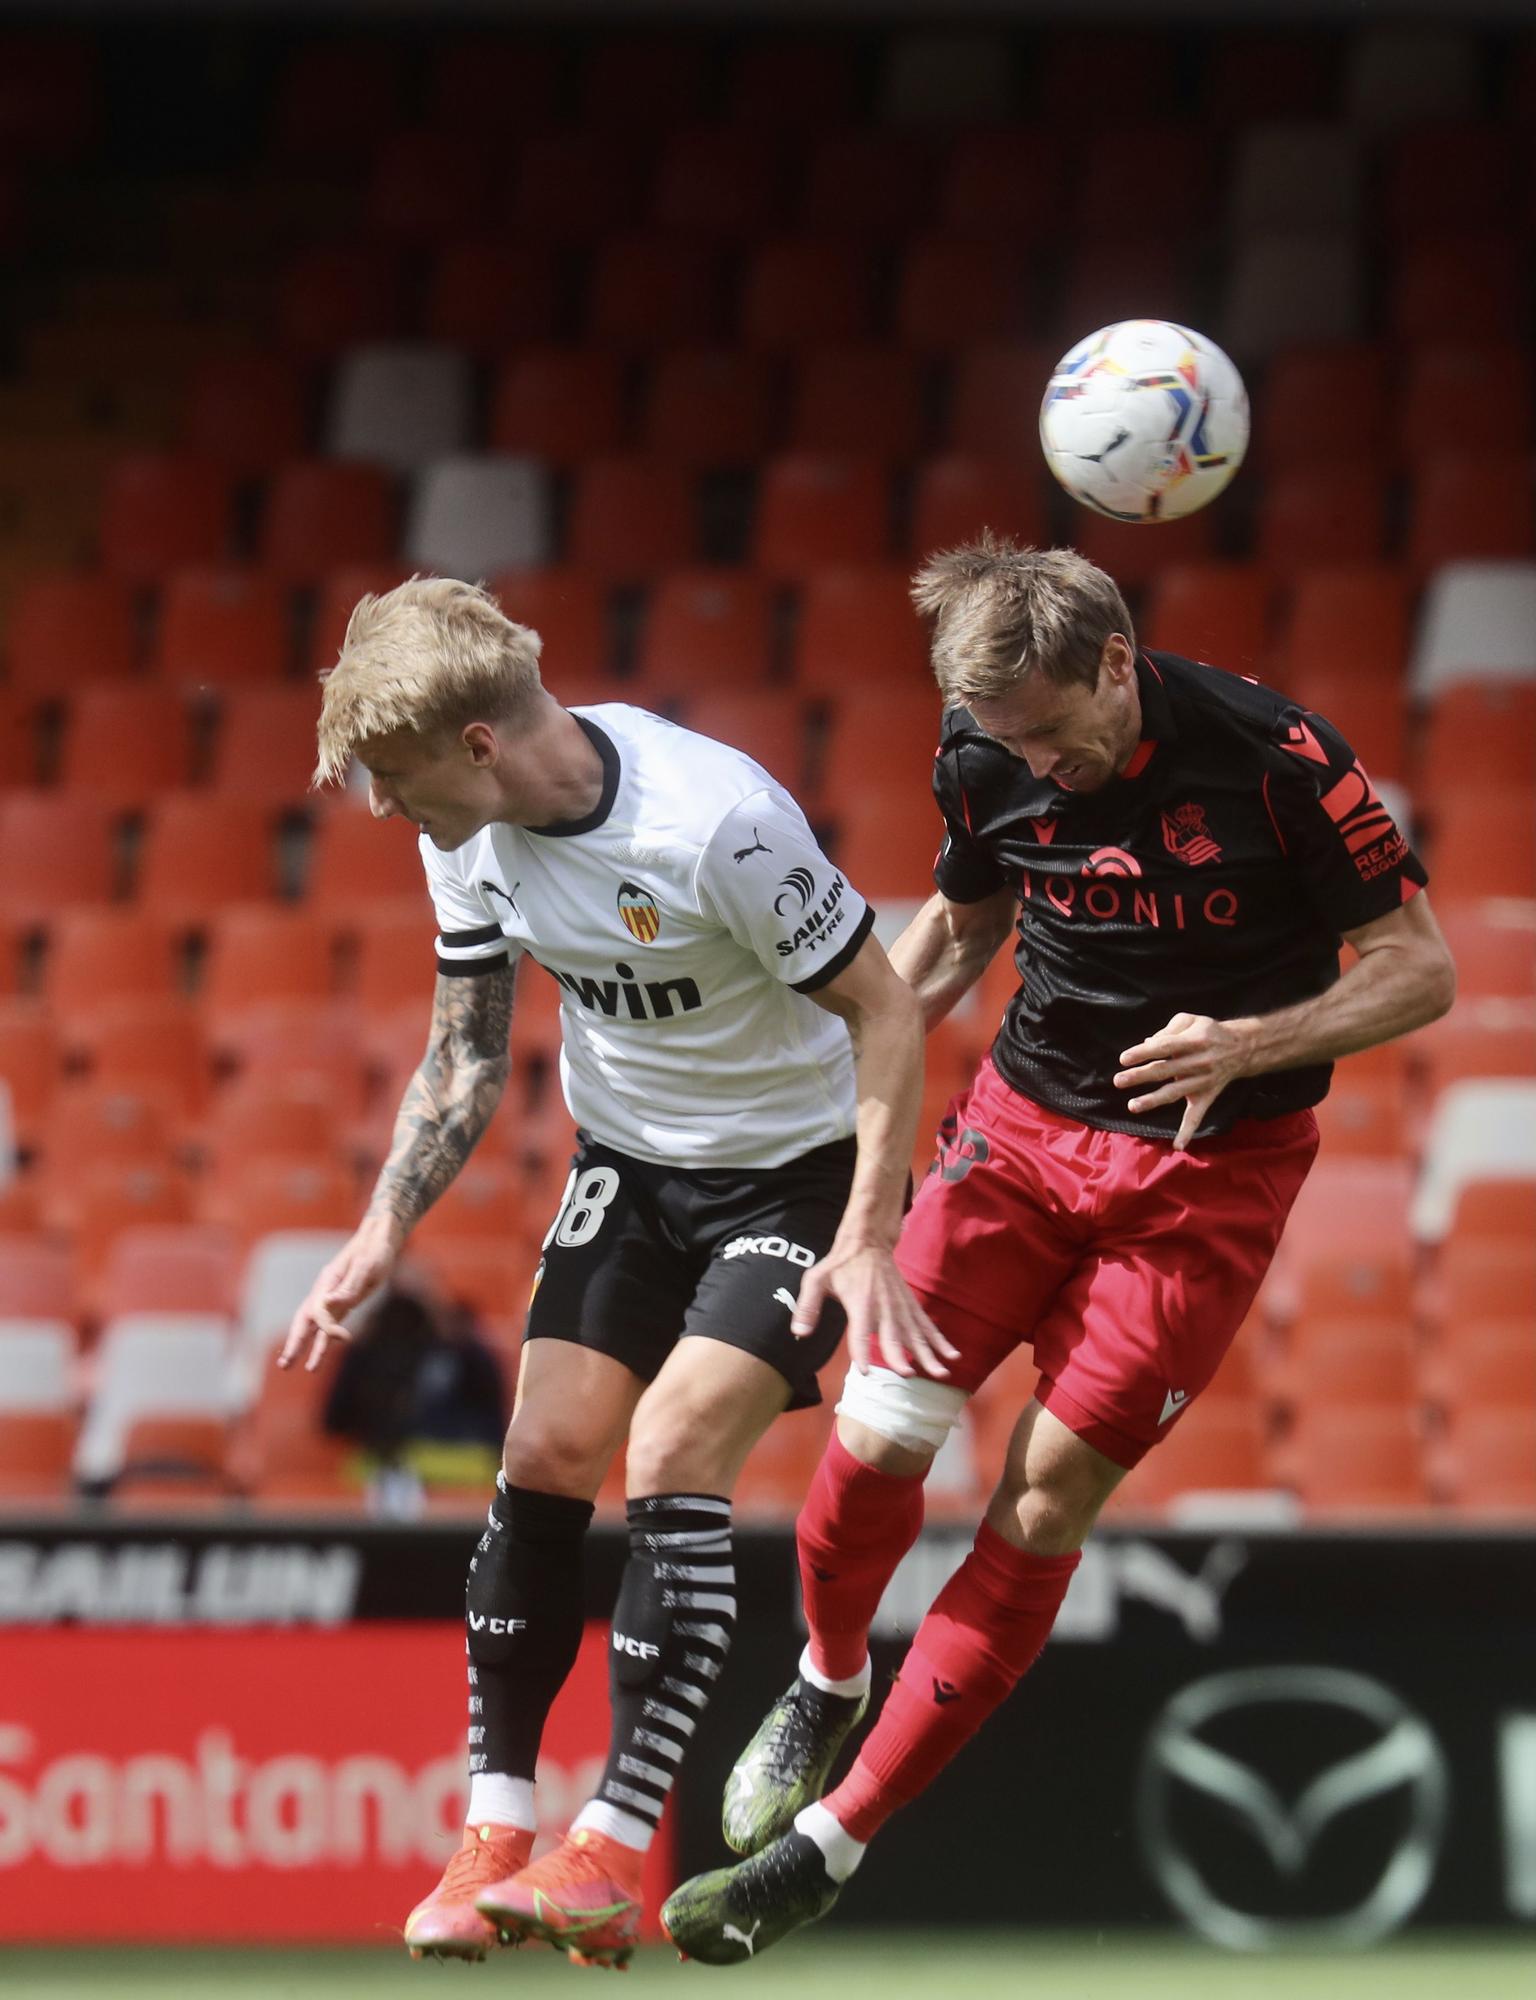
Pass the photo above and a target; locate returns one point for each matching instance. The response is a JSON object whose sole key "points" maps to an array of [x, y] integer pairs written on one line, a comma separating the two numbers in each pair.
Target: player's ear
{"points": [[1118, 658], [480, 740]]}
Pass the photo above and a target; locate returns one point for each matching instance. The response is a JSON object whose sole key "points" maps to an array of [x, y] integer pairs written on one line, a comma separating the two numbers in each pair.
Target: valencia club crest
{"points": [[638, 909]]}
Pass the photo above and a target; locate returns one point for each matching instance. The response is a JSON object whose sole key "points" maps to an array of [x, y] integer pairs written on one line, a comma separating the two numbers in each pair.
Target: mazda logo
{"points": [[1188, 1781]]}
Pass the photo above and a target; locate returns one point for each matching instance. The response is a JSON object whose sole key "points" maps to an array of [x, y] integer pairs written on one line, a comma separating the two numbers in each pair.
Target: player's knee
{"points": [[911, 1414], [548, 1454], [665, 1455]]}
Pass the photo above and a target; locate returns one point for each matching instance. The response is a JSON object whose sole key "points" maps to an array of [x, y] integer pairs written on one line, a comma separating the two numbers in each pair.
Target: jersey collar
{"points": [[1157, 723], [608, 750]]}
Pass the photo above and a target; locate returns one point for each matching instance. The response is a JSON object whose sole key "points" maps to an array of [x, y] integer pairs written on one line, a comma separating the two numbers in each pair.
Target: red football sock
{"points": [[983, 1634], [856, 1525]]}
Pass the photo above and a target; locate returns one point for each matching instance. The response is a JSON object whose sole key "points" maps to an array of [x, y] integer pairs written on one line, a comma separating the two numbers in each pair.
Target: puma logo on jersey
{"points": [[628, 998], [637, 1649], [785, 1297], [496, 1625], [506, 895], [742, 853], [742, 1937]]}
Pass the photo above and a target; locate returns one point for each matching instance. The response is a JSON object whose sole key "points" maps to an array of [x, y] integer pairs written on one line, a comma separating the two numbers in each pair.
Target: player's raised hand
{"points": [[886, 1325], [358, 1268], [1193, 1059]]}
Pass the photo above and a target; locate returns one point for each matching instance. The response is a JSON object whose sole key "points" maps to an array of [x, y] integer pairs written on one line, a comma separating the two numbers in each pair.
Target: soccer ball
{"points": [[1144, 421]]}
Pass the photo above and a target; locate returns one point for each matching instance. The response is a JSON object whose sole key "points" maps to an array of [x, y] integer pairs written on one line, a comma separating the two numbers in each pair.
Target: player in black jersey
{"points": [[1181, 852]]}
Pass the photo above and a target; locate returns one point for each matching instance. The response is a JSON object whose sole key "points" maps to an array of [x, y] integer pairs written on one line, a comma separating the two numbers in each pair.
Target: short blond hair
{"points": [[1001, 610], [432, 654]]}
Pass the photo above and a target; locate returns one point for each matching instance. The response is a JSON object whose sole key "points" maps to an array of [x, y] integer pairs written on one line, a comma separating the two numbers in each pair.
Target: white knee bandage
{"points": [[908, 1409]]}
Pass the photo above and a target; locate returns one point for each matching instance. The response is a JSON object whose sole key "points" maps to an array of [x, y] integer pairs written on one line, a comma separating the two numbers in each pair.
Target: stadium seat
{"points": [[1364, 1118], [399, 405], [995, 399], [858, 627], [946, 78], [1288, 288], [793, 80], [1189, 176], [174, 1268], [721, 181], [151, 1043], [654, 291], [869, 181], [1315, 515], [1131, 555], [320, 514], [162, 1364], [166, 512], [294, 1042], [109, 1197], [65, 629], [470, 516], [956, 496], [339, 592], [807, 291], [54, 850], [473, 76], [857, 400], [1479, 1280], [123, 743], [37, 1278], [1478, 621], [201, 853], [1359, 1460], [1438, 172], [1349, 1363], [485, 1203], [1490, 1463], [707, 630], [1480, 729], [334, 97], [767, 723], [278, 1273], [257, 1118], [246, 411], [281, 1456], [1481, 1036], [1209, 1451], [1464, 285], [1478, 1131], [1350, 620], [560, 404], [37, 1361], [1484, 844], [709, 406], [568, 608], [1371, 719], [339, 296], [631, 517], [886, 842], [1295, 174], [1115, 278], [265, 744], [1465, 397], [426, 181], [1323, 404], [30, 1065], [393, 962], [956, 291], [816, 511], [1489, 1364], [1212, 611], [773, 1482], [279, 1191], [485, 295], [643, 80], [492, 1279], [222, 625], [356, 859], [1398, 74], [261, 953], [1470, 506], [1346, 1240], [36, 1447], [1494, 945], [91, 1121], [574, 184]]}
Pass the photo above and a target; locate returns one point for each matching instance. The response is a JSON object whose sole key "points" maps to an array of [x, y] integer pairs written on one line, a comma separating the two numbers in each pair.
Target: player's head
{"points": [[433, 684], [1039, 646]]}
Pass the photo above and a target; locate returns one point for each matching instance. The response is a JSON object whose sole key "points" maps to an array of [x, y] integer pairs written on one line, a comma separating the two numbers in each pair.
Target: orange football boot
{"points": [[584, 1896], [446, 1924]]}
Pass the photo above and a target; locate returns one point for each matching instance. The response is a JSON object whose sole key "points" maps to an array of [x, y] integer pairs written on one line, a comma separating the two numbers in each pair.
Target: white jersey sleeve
{"points": [[469, 935], [763, 876]]}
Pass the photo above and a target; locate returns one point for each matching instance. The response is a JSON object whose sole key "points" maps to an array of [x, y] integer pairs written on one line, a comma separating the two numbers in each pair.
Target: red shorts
{"points": [[1128, 1266]]}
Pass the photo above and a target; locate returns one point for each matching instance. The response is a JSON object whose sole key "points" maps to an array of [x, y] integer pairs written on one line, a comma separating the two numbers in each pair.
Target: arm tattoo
{"points": [[449, 1101]]}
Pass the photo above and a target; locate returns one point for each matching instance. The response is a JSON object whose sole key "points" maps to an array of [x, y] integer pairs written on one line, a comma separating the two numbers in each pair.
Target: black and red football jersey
{"points": [[1215, 876]]}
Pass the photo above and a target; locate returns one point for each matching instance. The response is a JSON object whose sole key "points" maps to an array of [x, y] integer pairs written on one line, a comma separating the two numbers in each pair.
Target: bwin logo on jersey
{"points": [[795, 891], [769, 1246], [627, 999]]}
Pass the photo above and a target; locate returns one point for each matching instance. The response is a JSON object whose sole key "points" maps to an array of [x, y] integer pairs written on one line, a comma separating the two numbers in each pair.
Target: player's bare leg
{"points": [[525, 1614], [671, 1631], [982, 1634]]}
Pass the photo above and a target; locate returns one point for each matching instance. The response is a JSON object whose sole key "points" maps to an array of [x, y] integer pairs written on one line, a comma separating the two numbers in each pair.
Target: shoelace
{"points": [[474, 1864]]}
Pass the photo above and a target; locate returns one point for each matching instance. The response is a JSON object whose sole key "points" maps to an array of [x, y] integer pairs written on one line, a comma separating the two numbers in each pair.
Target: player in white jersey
{"points": [[744, 1068]]}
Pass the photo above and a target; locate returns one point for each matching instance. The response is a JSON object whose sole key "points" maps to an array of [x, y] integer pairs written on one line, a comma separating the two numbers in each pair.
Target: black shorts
{"points": [[640, 1255]]}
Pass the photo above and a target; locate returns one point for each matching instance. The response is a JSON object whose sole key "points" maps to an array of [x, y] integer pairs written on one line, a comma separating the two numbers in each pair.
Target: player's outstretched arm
{"points": [[447, 1105], [1402, 979], [948, 946], [885, 1322]]}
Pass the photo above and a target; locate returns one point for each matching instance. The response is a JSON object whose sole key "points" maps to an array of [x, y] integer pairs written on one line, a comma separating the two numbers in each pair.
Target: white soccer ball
{"points": [[1144, 421]]}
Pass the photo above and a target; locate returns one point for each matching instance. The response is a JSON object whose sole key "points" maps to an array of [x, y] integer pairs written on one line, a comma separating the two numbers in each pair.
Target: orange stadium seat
{"points": [[1482, 729], [709, 406], [1220, 1450], [1343, 1363], [321, 515], [654, 291], [152, 1044], [1438, 174], [808, 291], [36, 1448], [561, 404], [816, 511], [339, 590], [1471, 505], [165, 512], [124, 743], [1490, 1462], [265, 744], [781, 1465], [90, 1121], [355, 859], [1353, 618], [634, 83], [1484, 844], [1072, 71], [955, 497], [568, 608], [1362, 1459], [170, 1462], [768, 723], [170, 1267], [246, 410], [257, 1118], [1113, 279], [37, 1278], [30, 1064], [707, 629], [485, 1203], [486, 295], [1323, 404], [219, 625], [1131, 555], [1004, 182], [1475, 1281], [472, 78], [631, 517], [870, 180], [425, 182], [725, 181], [393, 962], [858, 625], [1212, 611], [1496, 1211], [104, 1199], [1310, 515], [1494, 946], [266, 953], [1189, 182], [54, 850], [857, 399], [995, 399], [491, 1278], [904, 723], [252, 1197], [70, 628], [1364, 1117], [1461, 286], [295, 1043], [203, 852], [1437, 415], [1481, 1036], [19, 746], [340, 296], [1487, 1363], [335, 97], [793, 80], [574, 184], [1373, 720], [1348, 1228], [886, 842], [954, 291], [281, 1453]]}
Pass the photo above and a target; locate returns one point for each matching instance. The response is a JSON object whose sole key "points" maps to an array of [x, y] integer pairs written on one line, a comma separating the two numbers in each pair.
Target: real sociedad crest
{"points": [[637, 907]]}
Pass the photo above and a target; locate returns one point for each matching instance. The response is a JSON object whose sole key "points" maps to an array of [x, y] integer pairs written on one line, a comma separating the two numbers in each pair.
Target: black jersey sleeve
{"points": [[966, 871], [1332, 826]]}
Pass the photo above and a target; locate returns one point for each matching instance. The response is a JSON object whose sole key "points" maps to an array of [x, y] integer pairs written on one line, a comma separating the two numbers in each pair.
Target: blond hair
{"points": [[432, 654], [1001, 611]]}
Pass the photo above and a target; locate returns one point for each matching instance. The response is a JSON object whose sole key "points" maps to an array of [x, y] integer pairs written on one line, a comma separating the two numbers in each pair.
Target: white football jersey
{"points": [[686, 919]]}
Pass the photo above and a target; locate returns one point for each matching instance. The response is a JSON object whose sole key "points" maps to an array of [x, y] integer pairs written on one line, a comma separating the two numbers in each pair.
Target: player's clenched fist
{"points": [[357, 1269]]}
